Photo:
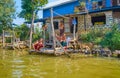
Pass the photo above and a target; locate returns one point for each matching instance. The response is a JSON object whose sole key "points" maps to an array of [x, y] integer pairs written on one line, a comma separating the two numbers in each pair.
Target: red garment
{"points": [[38, 45]]}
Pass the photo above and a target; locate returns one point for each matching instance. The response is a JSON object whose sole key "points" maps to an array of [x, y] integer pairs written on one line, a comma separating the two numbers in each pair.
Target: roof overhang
{"points": [[57, 3], [35, 21]]}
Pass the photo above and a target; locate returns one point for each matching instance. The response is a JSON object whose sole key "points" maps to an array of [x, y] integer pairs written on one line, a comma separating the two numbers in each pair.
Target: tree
{"points": [[7, 11], [22, 31], [112, 38], [29, 11]]}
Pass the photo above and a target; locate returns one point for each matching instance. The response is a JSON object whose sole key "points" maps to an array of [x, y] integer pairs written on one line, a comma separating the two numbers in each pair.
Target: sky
{"points": [[20, 21]]}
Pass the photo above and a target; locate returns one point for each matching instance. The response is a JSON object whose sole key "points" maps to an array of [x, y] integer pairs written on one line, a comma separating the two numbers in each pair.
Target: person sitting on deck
{"points": [[63, 40], [68, 41], [61, 28], [58, 37], [38, 44]]}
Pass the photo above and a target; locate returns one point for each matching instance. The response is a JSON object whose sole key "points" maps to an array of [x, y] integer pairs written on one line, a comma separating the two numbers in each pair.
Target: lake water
{"points": [[19, 64]]}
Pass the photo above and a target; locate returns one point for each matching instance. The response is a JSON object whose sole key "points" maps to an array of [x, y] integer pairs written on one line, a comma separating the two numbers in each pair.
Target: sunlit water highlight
{"points": [[19, 64]]}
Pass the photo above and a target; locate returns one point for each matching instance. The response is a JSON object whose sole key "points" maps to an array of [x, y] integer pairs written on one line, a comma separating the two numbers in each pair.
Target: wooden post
{"points": [[3, 38], [62, 47], [53, 32], [74, 35], [12, 38], [74, 30], [84, 22], [44, 36]]}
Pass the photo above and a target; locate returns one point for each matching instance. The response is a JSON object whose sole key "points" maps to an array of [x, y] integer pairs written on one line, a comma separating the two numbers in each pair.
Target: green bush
{"points": [[94, 36], [83, 37], [97, 40], [112, 38], [106, 38]]}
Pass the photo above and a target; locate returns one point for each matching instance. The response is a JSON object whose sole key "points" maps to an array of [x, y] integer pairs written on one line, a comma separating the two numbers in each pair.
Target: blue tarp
{"points": [[64, 9]]}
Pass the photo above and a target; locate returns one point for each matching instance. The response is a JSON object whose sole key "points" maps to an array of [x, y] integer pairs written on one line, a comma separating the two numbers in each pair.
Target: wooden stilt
{"points": [[3, 38], [62, 47], [53, 33]]}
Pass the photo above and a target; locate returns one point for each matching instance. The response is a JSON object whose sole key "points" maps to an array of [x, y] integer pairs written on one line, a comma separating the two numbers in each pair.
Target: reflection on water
{"points": [[19, 64]]}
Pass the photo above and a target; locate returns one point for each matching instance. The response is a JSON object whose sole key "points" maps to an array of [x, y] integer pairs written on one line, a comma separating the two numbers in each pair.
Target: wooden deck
{"points": [[58, 51], [48, 51]]}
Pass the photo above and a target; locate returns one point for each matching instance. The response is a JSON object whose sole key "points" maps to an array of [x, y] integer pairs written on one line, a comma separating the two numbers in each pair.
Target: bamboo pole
{"points": [[62, 47], [53, 31]]}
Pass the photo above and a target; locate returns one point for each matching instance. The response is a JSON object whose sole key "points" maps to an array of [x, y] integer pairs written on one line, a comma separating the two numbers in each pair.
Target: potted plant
{"points": [[76, 10], [82, 6]]}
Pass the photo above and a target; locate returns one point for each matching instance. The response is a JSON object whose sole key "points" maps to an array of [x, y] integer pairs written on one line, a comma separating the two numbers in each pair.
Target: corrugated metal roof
{"points": [[57, 3]]}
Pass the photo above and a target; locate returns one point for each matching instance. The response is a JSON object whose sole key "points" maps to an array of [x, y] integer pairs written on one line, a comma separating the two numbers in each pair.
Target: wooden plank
{"points": [[48, 51]]}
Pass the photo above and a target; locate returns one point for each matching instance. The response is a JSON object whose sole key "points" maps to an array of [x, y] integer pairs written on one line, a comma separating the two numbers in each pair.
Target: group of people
{"points": [[62, 39], [39, 43]]}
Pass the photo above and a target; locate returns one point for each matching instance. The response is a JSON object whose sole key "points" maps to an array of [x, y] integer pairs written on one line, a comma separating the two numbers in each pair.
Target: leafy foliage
{"points": [[30, 6], [7, 11], [93, 36], [37, 34], [29, 11], [112, 38], [22, 32]]}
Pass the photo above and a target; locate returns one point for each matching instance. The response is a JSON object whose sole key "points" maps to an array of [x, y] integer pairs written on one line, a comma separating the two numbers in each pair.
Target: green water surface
{"points": [[19, 64]]}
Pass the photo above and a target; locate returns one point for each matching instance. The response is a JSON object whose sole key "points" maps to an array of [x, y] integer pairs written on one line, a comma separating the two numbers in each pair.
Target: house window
{"points": [[66, 25], [55, 24], [72, 25], [99, 20]]}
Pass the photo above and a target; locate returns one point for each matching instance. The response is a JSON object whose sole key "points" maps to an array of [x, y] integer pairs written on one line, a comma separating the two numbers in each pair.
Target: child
{"points": [[35, 45], [63, 40], [38, 44]]}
